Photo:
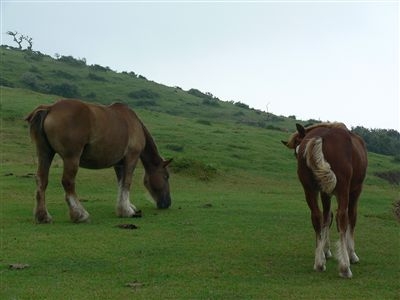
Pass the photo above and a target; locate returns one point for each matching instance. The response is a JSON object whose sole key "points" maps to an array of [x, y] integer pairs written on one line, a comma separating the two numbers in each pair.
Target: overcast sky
{"points": [[324, 60]]}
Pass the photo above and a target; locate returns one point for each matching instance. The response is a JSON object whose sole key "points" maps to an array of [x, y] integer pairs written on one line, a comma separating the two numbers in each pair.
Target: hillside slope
{"points": [[69, 77], [72, 78]]}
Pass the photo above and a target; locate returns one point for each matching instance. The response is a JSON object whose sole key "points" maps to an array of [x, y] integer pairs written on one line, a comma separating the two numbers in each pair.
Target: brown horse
{"points": [[331, 161], [95, 136]]}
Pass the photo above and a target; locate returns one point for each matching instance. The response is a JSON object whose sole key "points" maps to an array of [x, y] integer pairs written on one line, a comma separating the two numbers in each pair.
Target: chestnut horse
{"points": [[95, 136], [331, 161]]}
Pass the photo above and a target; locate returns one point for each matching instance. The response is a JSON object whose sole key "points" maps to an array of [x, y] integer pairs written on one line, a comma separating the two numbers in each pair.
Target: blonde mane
{"points": [[293, 137]]}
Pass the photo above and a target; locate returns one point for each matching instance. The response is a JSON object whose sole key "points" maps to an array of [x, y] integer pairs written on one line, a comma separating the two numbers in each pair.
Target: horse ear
{"points": [[167, 162], [285, 143], [301, 130]]}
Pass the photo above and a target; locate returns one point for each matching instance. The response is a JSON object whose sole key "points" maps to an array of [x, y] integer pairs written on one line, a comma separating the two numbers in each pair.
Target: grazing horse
{"points": [[95, 137], [331, 161]]}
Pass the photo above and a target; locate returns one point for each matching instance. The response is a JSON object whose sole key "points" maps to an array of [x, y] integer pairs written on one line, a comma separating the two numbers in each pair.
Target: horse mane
{"points": [[150, 154], [293, 137], [319, 166]]}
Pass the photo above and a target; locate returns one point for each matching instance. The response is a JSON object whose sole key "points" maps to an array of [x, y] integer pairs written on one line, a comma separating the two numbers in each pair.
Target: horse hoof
{"points": [[43, 218], [354, 259], [345, 273], [328, 254], [137, 214], [79, 217], [320, 268]]}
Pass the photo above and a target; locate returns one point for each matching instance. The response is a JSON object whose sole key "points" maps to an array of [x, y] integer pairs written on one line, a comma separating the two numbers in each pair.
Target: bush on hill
{"points": [[380, 141], [143, 94], [65, 89]]}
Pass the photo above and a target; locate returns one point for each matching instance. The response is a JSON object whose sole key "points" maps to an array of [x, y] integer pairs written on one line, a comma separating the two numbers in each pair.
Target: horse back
{"points": [[100, 135]]}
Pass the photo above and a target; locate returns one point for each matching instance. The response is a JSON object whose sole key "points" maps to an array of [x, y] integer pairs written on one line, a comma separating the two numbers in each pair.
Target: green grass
{"points": [[244, 233]]}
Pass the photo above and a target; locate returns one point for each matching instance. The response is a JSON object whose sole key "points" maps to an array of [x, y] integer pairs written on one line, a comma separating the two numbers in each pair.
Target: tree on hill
{"points": [[20, 38], [28, 39]]}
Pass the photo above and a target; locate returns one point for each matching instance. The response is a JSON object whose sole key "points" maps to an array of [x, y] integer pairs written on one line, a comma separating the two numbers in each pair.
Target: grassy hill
{"points": [[238, 227], [72, 78]]}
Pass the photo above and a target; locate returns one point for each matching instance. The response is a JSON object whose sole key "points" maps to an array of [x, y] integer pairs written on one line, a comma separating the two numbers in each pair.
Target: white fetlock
{"points": [[320, 268], [345, 273], [354, 258], [328, 254], [126, 211], [79, 216]]}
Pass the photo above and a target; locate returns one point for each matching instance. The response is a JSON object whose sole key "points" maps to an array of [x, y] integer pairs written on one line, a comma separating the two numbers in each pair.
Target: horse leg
{"points": [[77, 212], [353, 201], [45, 157], [316, 219], [342, 220], [124, 174], [327, 222]]}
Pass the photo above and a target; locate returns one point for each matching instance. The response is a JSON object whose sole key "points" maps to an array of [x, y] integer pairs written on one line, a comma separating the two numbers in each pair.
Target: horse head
{"points": [[296, 138], [156, 182]]}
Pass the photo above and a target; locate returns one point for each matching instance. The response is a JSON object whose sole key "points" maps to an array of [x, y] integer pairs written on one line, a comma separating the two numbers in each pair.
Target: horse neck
{"points": [[150, 157]]}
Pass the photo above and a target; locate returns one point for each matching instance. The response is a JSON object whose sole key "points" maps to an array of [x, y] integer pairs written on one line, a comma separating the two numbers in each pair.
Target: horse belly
{"points": [[101, 155]]}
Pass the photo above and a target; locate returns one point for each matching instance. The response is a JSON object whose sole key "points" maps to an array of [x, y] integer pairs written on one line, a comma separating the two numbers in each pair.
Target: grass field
{"points": [[239, 231]]}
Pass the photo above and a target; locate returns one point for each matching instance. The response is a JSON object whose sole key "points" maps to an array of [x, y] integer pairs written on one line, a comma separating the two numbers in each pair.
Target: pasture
{"points": [[238, 227]]}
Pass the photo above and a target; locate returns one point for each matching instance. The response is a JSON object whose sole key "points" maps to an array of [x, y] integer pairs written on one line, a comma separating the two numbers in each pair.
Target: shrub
{"points": [[65, 89], [174, 147], [143, 94], [198, 93], [31, 80], [396, 158], [145, 102], [91, 95], [73, 61], [5, 82], [33, 55], [63, 74], [98, 68], [34, 69], [242, 105], [194, 168], [93, 76], [238, 114], [204, 122], [211, 102]]}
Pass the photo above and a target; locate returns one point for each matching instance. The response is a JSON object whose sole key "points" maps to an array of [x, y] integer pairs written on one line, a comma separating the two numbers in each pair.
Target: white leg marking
{"points": [[76, 211], [350, 247], [124, 207], [343, 258], [327, 249], [320, 259]]}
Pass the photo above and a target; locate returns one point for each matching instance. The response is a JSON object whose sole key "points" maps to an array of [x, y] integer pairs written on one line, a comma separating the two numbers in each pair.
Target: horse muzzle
{"points": [[164, 203]]}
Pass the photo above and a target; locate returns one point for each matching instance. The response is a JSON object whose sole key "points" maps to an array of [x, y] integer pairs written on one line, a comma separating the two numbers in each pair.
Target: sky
{"points": [[323, 60]]}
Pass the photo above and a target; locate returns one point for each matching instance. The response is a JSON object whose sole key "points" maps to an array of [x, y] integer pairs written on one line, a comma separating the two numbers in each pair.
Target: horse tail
{"points": [[321, 169], [36, 119]]}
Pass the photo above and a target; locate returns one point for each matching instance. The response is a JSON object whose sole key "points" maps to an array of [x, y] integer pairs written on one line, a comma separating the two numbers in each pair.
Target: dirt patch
{"points": [[127, 226], [393, 177], [396, 209], [134, 284]]}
